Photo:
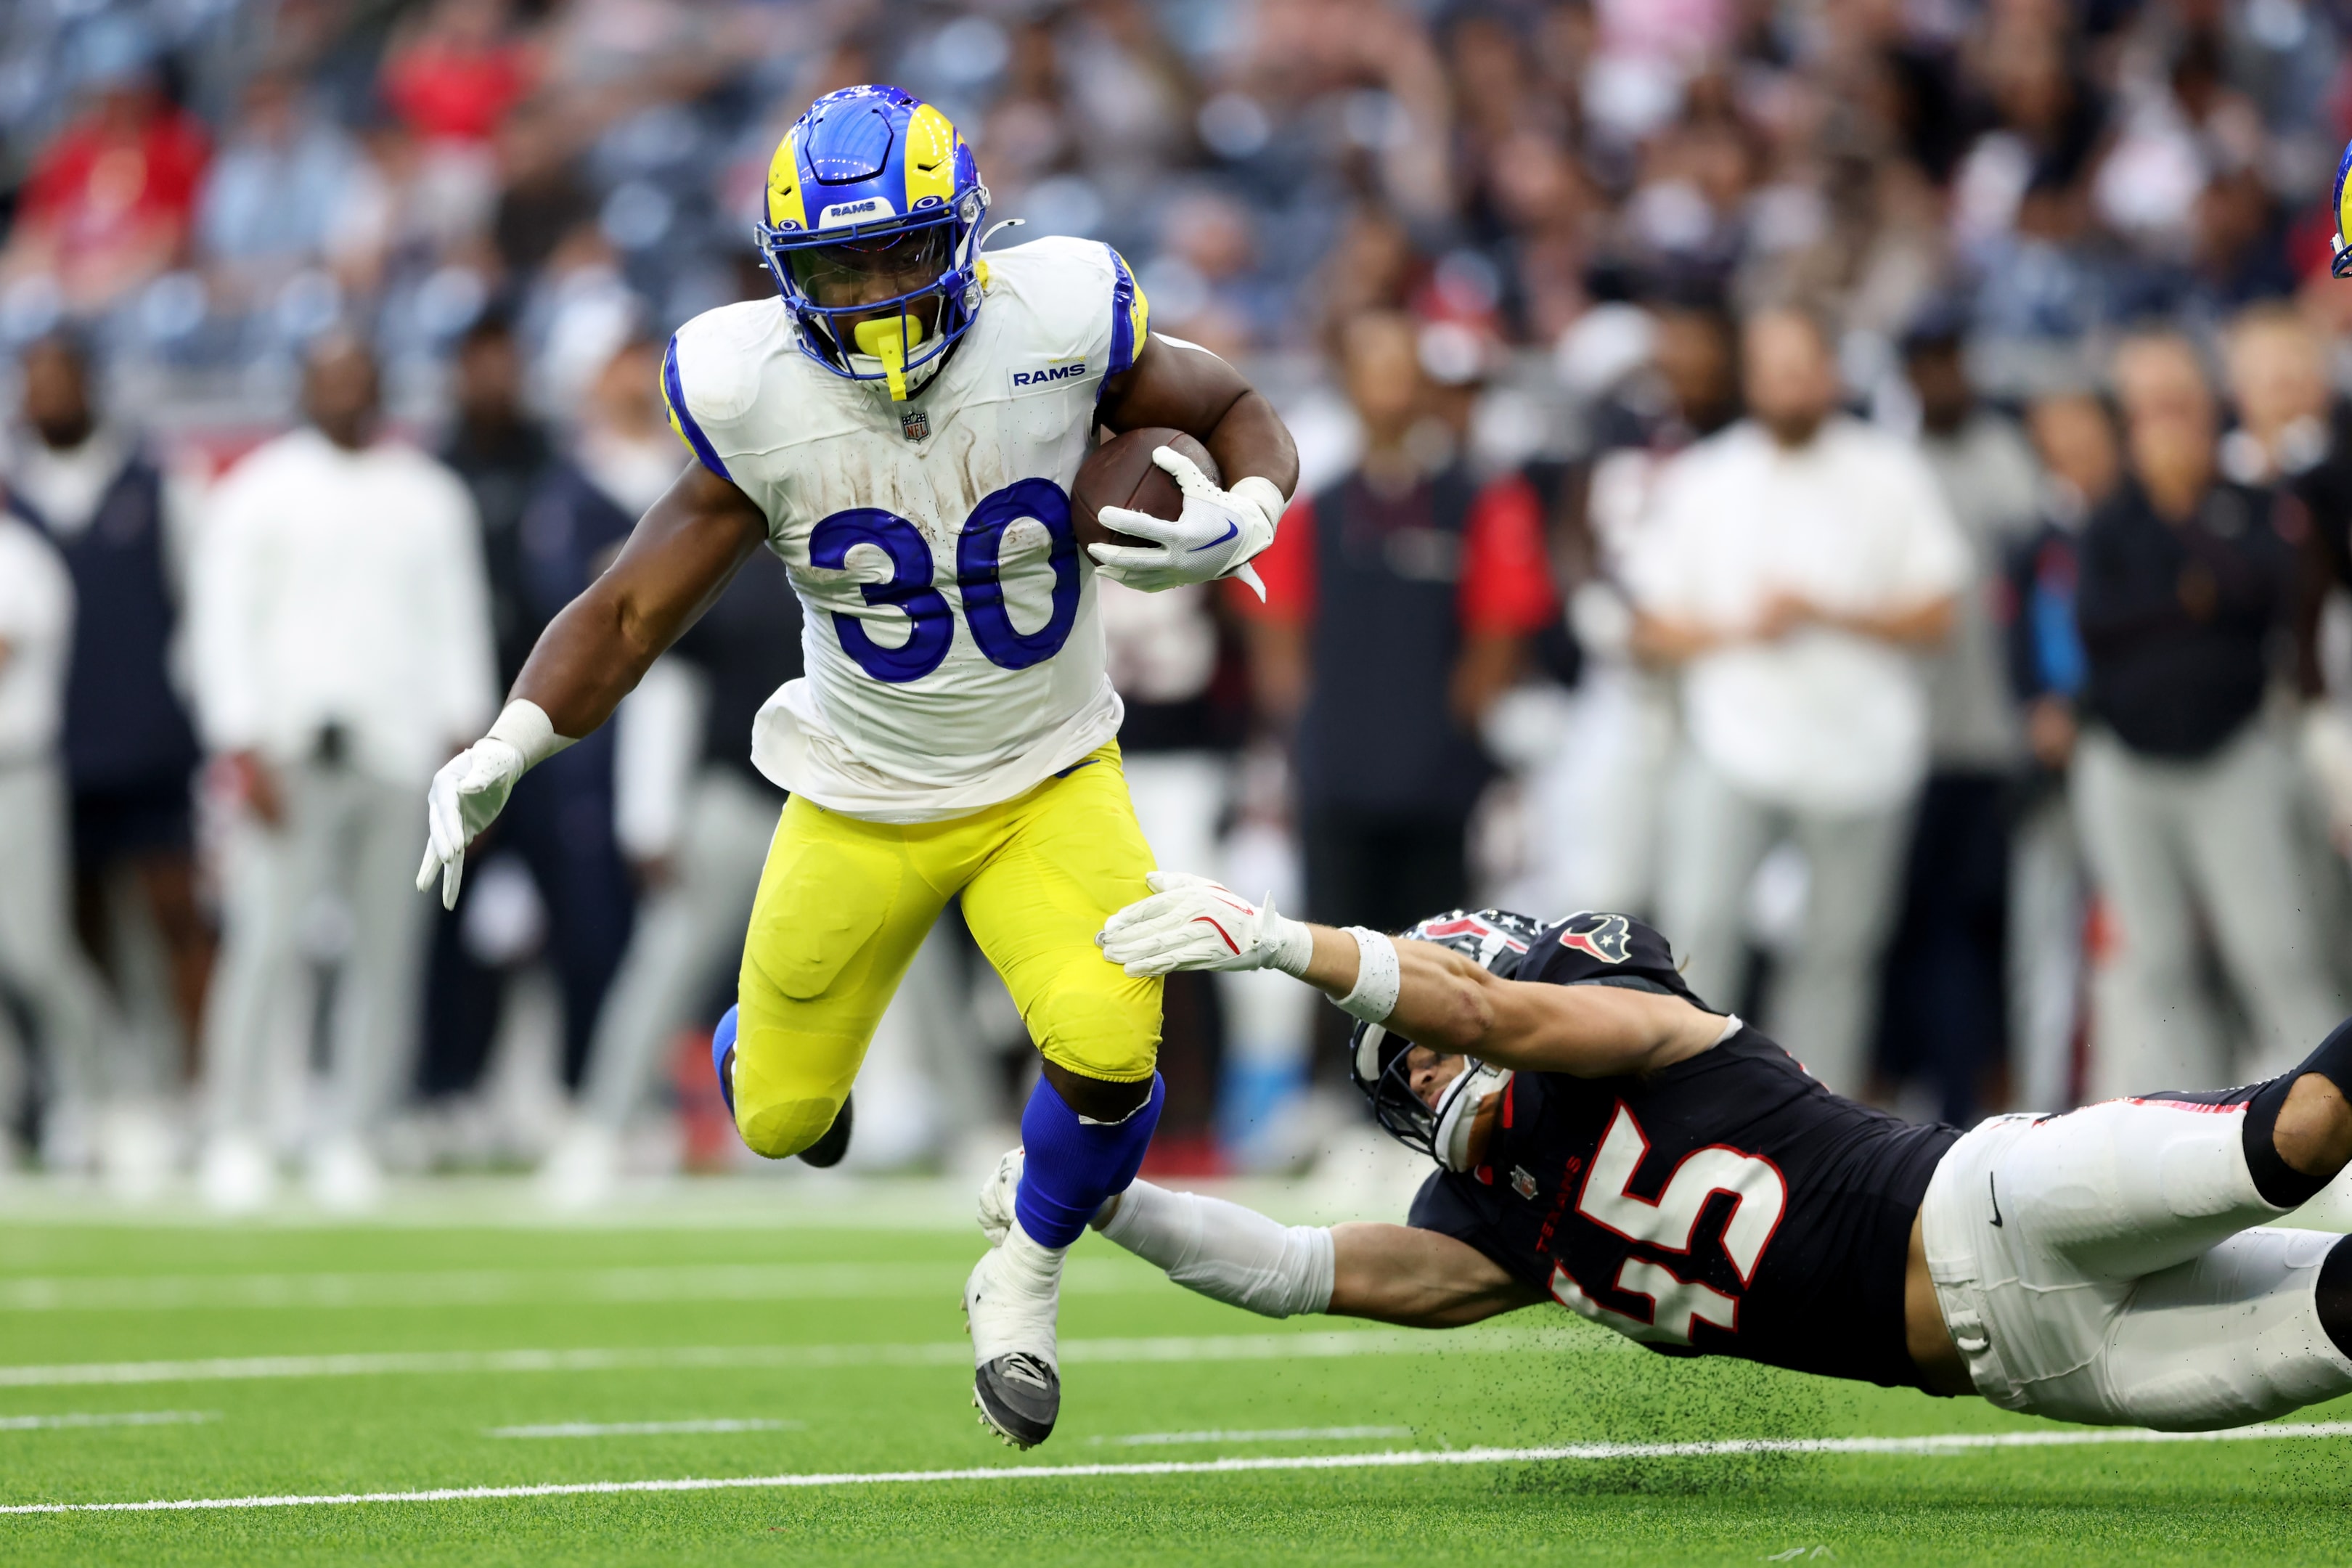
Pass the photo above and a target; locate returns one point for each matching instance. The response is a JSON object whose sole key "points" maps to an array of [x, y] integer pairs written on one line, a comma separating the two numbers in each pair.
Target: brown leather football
{"points": [[1120, 472]]}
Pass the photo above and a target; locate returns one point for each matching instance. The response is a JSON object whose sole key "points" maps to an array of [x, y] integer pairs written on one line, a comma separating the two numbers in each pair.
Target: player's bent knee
{"points": [[780, 1129], [1113, 1035], [790, 1083]]}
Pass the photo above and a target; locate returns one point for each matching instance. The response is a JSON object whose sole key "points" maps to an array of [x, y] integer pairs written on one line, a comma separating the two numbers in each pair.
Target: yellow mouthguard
{"points": [[883, 338]]}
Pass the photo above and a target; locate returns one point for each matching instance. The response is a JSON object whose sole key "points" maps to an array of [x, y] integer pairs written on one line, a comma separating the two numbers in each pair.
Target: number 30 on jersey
{"points": [[980, 548]]}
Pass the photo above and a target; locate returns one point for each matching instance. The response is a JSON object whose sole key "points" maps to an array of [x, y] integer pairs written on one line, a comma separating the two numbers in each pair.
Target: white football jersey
{"points": [[953, 652]]}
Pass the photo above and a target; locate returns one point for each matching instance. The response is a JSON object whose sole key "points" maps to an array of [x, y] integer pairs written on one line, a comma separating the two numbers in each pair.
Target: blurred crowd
{"points": [[1864, 483]]}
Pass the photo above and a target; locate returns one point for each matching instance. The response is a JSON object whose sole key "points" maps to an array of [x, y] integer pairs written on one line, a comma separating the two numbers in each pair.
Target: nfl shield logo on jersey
{"points": [[1609, 938], [915, 425]]}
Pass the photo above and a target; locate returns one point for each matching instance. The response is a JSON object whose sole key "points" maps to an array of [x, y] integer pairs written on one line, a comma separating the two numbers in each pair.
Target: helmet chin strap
{"points": [[1457, 1119]]}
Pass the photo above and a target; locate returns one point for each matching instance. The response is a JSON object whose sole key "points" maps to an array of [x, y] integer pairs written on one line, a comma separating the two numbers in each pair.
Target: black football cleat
{"points": [[1019, 1397], [827, 1150]]}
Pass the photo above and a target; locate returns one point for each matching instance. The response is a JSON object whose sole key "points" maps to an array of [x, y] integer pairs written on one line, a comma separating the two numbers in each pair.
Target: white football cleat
{"points": [[235, 1174], [581, 1172], [135, 1150], [1009, 1305], [344, 1178]]}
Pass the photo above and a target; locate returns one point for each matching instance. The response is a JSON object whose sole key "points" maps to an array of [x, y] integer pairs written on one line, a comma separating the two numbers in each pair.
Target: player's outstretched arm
{"points": [[1178, 384], [1450, 1004], [677, 561], [1429, 994], [1422, 1278], [1390, 1273]]}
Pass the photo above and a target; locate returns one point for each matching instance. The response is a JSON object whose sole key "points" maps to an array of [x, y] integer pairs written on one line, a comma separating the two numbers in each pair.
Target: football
{"points": [[1120, 472]]}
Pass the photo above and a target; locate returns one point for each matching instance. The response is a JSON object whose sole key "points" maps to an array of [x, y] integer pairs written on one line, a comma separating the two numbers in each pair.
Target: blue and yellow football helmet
{"points": [[2342, 265], [873, 232]]}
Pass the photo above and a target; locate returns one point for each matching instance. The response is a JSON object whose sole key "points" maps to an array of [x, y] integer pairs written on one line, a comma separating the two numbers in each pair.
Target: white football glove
{"points": [[1191, 922], [1214, 535], [996, 1195], [997, 1192], [472, 787]]}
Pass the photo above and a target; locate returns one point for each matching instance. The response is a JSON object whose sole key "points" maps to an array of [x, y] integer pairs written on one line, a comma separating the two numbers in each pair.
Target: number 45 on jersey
{"points": [[1759, 1196]]}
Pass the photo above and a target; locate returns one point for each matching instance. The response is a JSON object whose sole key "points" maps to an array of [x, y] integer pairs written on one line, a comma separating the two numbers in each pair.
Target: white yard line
{"points": [[1270, 1434], [498, 1287], [641, 1428], [944, 1352], [106, 1418], [1919, 1446]]}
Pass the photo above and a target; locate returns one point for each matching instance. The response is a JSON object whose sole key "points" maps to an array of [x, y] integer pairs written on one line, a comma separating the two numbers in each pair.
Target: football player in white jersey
{"points": [[901, 426]]}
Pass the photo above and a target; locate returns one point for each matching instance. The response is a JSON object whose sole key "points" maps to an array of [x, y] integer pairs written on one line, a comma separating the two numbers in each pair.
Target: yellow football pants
{"points": [[844, 904]]}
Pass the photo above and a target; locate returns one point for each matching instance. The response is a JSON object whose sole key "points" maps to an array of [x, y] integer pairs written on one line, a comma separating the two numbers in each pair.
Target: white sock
{"points": [[1019, 1285], [1031, 1263]]}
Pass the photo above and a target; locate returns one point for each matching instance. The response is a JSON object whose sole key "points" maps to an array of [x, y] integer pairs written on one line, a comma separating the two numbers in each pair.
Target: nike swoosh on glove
{"points": [[1191, 922], [1213, 536], [468, 793]]}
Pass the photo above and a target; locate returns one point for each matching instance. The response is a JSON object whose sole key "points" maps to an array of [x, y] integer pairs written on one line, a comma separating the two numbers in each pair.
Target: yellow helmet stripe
{"points": [[930, 156], [785, 204]]}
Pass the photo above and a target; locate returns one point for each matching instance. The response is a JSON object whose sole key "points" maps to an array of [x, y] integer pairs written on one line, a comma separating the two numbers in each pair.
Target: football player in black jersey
{"points": [[1607, 1141]]}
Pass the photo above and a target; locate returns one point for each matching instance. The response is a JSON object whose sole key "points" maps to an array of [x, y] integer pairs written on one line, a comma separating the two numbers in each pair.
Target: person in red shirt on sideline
{"points": [[108, 203], [454, 78], [1400, 601]]}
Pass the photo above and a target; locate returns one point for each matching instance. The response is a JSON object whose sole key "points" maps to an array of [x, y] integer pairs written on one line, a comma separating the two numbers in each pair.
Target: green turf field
{"points": [[772, 1332]]}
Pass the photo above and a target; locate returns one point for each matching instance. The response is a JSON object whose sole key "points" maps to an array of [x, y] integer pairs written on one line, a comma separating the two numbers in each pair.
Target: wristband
{"points": [[1291, 944], [1265, 496], [524, 725], [1378, 977]]}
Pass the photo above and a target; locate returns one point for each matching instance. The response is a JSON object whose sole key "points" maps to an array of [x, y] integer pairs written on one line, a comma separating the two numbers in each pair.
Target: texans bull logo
{"points": [[1609, 938]]}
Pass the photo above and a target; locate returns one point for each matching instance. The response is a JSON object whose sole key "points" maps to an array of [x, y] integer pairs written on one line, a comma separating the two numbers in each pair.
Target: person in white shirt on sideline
{"points": [[1799, 562], [342, 638], [40, 962]]}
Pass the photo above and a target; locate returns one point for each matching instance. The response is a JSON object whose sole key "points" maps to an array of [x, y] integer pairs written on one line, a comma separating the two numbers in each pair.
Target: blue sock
{"points": [[1073, 1165], [722, 1057]]}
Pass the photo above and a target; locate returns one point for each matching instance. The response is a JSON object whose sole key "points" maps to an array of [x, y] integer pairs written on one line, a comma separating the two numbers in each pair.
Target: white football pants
{"points": [[1824, 1000], [345, 836], [2220, 834], [685, 931], [2110, 1267], [41, 960]]}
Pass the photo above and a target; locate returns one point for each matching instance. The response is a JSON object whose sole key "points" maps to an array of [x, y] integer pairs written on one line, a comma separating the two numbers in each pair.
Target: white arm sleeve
{"points": [[1226, 1251]]}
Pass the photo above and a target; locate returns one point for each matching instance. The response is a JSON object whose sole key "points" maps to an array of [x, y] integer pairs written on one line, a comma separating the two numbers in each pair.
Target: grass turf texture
{"points": [[456, 1278]]}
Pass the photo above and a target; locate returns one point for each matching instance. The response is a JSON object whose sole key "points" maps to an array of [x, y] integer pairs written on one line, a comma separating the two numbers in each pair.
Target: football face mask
{"points": [[1426, 1101], [1418, 1098], [885, 271]]}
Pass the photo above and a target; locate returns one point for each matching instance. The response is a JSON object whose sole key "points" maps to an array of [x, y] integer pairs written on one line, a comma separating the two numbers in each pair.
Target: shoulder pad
{"points": [[712, 371], [720, 356], [1079, 289]]}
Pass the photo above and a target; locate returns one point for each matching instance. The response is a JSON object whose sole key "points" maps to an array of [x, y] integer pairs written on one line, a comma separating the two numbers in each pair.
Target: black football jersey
{"points": [[1727, 1205]]}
